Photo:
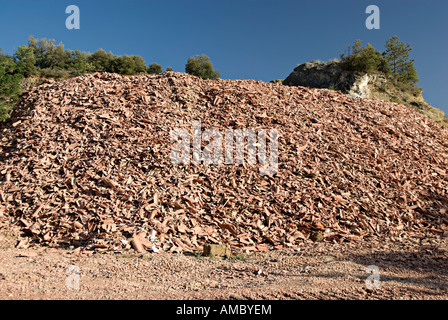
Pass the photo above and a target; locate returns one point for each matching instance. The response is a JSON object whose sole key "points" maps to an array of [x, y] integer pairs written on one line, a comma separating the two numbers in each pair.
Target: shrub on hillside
{"points": [[365, 59], [201, 66], [9, 85]]}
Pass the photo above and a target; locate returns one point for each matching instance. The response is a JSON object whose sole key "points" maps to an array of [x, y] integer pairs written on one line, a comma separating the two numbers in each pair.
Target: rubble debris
{"points": [[86, 162]]}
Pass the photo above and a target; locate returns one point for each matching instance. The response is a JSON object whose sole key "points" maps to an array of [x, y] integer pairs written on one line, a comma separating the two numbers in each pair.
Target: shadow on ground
{"points": [[426, 266]]}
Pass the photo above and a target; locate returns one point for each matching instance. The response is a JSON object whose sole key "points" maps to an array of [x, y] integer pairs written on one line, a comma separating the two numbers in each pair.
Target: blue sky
{"points": [[249, 39]]}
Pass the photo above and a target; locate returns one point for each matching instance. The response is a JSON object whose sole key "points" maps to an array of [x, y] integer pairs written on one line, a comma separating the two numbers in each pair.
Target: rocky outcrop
{"points": [[331, 75], [321, 75]]}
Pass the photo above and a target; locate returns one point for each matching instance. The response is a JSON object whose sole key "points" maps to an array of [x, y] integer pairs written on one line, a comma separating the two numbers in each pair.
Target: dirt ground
{"points": [[410, 269]]}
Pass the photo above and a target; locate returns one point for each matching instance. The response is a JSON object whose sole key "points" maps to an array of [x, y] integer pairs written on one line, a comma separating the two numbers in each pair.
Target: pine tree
{"points": [[397, 56]]}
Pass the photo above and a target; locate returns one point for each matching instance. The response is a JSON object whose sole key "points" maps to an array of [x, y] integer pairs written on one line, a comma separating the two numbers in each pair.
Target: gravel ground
{"points": [[411, 269]]}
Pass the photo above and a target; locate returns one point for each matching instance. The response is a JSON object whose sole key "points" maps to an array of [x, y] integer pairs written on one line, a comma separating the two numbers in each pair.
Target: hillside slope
{"points": [[86, 161]]}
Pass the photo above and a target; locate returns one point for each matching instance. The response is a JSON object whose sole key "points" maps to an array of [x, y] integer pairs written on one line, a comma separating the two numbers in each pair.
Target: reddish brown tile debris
{"points": [[86, 162]]}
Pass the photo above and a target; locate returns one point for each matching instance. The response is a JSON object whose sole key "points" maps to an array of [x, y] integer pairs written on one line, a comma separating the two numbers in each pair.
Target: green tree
{"points": [[79, 61], [126, 65], [201, 66], [26, 61], [9, 85], [155, 68], [50, 56], [356, 49], [61, 57], [99, 60], [54, 61], [169, 69], [39, 49], [8, 63], [46, 50], [140, 64], [365, 59], [111, 63], [397, 56]]}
